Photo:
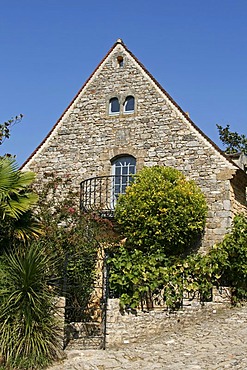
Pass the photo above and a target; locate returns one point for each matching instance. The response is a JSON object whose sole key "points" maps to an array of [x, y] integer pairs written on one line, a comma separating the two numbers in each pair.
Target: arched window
{"points": [[129, 104], [122, 170], [114, 106]]}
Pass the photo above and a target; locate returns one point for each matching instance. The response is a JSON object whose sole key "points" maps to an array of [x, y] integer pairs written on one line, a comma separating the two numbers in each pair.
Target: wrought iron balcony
{"points": [[100, 194]]}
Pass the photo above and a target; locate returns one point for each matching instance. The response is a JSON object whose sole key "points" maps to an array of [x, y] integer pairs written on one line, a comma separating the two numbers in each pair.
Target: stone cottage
{"points": [[121, 120]]}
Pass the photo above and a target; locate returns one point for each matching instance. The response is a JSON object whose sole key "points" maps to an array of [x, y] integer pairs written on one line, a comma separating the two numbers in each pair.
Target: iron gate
{"points": [[85, 321]]}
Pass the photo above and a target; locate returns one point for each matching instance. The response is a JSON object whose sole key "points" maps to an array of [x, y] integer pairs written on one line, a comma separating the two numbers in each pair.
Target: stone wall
{"points": [[138, 326], [87, 138]]}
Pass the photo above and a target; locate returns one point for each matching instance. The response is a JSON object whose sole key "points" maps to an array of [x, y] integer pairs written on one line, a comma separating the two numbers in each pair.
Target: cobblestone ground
{"points": [[211, 340]]}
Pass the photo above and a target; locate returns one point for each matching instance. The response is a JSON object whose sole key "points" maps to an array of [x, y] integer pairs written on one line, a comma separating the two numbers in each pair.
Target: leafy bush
{"points": [[135, 275], [75, 240], [161, 210], [162, 215], [228, 259], [28, 329]]}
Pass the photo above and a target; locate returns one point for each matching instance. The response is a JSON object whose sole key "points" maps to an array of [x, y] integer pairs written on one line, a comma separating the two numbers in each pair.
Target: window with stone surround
{"points": [[122, 170], [114, 106], [129, 104]]}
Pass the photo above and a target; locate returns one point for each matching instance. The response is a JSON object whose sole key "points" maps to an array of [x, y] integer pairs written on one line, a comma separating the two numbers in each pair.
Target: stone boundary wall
{"points": [[134, 327]]}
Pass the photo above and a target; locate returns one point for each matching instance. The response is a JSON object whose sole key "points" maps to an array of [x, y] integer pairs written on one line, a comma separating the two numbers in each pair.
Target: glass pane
{"points": [[114, 105], [125, 170], [117, 170], [132, 169], [117, 189], [129, 103], [123, 167]]}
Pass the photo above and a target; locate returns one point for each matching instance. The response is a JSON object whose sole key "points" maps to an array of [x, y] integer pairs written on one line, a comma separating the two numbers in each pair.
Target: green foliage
{"points": [[133, 274], [162, 215], [224, 265], [74, 238], [233, 142], [140, 278], [15, 196], [28, 329], [15, 232], [161, 210], [17, 222], [5, 127], [229, 258]]}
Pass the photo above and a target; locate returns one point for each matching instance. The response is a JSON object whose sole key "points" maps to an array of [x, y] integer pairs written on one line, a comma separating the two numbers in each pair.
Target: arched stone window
{"points": [[114, 106], [122, 170], [129, 104]]}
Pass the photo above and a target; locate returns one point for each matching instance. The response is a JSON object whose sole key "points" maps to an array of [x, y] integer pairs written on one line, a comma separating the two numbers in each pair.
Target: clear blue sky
{"points": [[196, 49]]}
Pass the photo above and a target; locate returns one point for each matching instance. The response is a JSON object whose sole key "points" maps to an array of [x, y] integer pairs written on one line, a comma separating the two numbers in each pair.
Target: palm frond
{"points": [[15, 197]]}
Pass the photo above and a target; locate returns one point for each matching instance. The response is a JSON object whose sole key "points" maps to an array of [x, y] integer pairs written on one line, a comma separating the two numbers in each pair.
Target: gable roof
{"points": [[157, 85]]}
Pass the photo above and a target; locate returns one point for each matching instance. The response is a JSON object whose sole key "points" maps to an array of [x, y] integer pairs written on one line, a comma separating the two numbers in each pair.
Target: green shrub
{"points": [[162, 215], [229, 258], [162, 210], [135, 274], [28, 328]]}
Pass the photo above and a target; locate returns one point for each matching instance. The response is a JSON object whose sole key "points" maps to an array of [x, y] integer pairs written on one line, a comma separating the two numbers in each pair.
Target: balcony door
{"points": [[122, 170]]}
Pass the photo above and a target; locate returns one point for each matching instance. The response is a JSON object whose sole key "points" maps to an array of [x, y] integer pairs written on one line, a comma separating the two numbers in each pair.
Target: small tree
{"points": [[232, 141], [162, 211]]}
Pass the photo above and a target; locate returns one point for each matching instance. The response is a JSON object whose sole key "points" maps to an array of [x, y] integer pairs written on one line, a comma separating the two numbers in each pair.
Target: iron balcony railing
{"points": [[100, 194]]}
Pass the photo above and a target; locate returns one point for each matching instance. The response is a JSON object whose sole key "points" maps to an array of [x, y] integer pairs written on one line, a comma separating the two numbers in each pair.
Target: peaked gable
{"points": [[119, 49]]}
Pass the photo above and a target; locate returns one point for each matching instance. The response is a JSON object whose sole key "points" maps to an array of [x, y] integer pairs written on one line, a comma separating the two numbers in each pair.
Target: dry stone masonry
{"points": [[87, 138]]}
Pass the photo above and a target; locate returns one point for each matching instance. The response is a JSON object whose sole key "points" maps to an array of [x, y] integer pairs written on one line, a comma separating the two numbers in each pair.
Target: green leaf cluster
{"points": [[139, 278], [232, 141], [17, 221], [229, 258], [162, 215], [28, 328], [16, 198], [75, 240], [162, 210]]}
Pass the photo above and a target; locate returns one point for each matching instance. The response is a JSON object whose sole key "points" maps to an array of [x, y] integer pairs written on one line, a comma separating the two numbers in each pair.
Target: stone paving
{"points": [[215, 339]]}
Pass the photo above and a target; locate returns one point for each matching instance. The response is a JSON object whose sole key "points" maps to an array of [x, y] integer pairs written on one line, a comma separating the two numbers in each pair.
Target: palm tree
{"points": [[15, 197], [16, 201]]}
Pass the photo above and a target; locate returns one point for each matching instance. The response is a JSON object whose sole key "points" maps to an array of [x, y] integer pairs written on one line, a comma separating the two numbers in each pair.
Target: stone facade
{"points": [[86, 139]]}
